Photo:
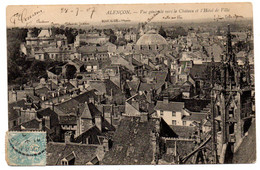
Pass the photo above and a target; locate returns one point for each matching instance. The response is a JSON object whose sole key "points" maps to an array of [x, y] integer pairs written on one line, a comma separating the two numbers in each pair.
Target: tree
{"points": [[178, 31], [70, 71], [15, 37], [112, 38], [162, 32], [108, 32], [37, 70], [70, 34]]}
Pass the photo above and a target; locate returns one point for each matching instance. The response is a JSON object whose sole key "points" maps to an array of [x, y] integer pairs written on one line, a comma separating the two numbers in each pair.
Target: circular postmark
{"points": [[27, 144]]}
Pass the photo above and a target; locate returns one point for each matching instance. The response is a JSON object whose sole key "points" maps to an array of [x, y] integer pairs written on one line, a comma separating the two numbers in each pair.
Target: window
{"points": [[173, 114], [64, 162], [173, 122], [14, 123], [161, 112], [184, 123]]}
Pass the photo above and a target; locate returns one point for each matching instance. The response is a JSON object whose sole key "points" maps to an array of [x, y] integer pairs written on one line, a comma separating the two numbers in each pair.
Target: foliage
{"points": [[162, 32], [70, 71], [20, 70], [112, 38], [70, 33], [15, 37], [175, 32]]}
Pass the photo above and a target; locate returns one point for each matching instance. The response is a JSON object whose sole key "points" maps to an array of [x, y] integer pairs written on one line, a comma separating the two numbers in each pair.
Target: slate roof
{"points": [[72, 106], [30, 125], [86, 113], [131, 143], [133, 85], [170, 106], [82, 98], [93, 110], [34, 98], [159, 76], [198, 71], [20, 103], [105, 87], [69, 86], [12, 113], [136, 63], [92, 49], [69, 106], [195, 117], [42, 91], [145, 86], [57, 151], [183, 131], [107, 127], [54, 121], [92, 134], [246, 152], [77, 62]]}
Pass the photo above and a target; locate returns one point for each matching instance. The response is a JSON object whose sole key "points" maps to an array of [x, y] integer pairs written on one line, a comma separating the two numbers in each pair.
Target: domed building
{"points": [[151, 38]]}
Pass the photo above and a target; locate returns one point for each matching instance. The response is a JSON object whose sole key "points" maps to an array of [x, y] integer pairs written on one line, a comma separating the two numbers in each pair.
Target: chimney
{"points": [[144, 117], [42, 124], [165, 100], [130, 58], [106, 145], [98, 122], [154, 148], [67, 136], [47, 122], [14, 96], [149, 96]]}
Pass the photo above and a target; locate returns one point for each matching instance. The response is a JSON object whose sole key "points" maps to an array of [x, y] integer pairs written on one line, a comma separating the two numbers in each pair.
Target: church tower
{"points": [[231, 103]]}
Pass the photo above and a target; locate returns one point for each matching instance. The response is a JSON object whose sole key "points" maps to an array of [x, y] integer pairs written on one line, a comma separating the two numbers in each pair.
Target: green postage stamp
{"points": [[26, 148]]}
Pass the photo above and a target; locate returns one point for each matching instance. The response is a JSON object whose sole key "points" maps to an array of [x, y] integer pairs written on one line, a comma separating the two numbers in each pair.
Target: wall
{"points": [[167, 116]]}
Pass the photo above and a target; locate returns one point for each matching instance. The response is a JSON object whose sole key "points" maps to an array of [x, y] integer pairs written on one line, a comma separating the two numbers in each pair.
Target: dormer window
{"points": [[64, 162], [69, 160]]}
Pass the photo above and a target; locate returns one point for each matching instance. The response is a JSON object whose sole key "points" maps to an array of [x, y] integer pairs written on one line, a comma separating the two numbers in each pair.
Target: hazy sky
{"points": [[21, 16]]}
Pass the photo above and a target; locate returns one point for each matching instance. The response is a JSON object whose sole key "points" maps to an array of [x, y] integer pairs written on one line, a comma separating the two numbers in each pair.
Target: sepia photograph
{"points": [[130, 84]]}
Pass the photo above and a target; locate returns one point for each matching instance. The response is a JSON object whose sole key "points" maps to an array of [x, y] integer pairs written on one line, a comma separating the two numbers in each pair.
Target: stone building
{"points": [[232, 103]]}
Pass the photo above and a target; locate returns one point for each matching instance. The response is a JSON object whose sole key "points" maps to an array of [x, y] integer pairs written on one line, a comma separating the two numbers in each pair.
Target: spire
{"points": [[247, 66], [229, 51], [212, 69]]}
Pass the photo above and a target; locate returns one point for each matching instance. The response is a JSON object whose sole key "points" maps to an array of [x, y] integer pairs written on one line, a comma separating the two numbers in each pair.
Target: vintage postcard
{"points": [[135, 84]]}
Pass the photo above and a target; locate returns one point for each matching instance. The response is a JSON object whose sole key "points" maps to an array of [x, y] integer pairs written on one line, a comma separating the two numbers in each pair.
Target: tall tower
{"points": [[231, 104]]}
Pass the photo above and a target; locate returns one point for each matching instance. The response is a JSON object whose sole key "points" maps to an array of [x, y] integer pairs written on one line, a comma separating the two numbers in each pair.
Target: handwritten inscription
{"points": [[172, 17], [24, 17], [41, 21], [77, 11], [222, 17]]}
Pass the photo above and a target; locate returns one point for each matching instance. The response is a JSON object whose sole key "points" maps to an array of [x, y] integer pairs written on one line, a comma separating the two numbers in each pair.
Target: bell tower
{"points": [[231, 103]]}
